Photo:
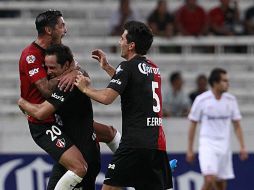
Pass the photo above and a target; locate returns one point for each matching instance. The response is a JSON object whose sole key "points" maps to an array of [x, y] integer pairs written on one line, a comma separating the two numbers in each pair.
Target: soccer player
{"points": [[215, 110], [35, 86], [77, 130], [141, 159]]}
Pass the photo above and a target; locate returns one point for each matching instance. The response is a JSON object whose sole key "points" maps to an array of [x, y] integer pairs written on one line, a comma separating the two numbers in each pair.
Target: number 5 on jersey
{"points": [[157, 107]]}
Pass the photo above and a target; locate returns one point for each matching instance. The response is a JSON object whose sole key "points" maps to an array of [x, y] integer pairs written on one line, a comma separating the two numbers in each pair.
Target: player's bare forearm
{"points": [[38, 111], [190, 156], [100, 56], [239, 133], [43, 86], [110, 70], [191, 135], [30, 109], [105, 96]]}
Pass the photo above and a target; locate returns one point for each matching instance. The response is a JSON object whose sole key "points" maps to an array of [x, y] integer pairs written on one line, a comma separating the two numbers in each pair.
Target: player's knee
{"points": [[112, 132], [80, 169], [109, 134], [209, 180]]}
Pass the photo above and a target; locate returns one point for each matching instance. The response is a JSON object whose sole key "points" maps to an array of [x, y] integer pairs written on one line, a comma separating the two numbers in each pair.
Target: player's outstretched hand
{"points": [[100, 56], [82, 83]]}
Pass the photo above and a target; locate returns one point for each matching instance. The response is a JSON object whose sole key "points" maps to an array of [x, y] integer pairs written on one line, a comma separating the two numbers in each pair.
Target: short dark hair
{"points": [[174, 76], [140, 34], [47, 18], [62, 52], [215, 75]]}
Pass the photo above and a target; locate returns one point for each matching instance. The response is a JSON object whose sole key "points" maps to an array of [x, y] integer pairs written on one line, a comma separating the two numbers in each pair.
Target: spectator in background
{"points": [[249, 21], [120, 16], [161, 21], [191, 19], [201, 83], [175, 101], [224, 19]]}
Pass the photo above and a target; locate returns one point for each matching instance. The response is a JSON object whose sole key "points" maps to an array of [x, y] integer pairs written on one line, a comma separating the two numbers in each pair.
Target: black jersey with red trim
{"points": [[76, 114], [31, 69], [138, 81]]}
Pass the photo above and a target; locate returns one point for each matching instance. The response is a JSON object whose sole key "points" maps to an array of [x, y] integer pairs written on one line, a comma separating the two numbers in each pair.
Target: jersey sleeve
{"points": [[58, 97], [119, 81], [33, 64], [196, 111], [236, 114]]}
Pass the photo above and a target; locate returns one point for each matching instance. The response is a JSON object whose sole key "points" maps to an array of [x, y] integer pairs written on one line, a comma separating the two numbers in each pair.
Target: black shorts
{"points": [[143, 169], [88, 182], [50, 138]]}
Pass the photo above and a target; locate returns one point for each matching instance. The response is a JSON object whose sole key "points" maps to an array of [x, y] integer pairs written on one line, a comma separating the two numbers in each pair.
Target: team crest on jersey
{"points": [[60, 143], [30, 59], [118, 69]]}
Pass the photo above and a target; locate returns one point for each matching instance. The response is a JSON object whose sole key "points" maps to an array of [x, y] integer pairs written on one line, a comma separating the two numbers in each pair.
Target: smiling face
{"points": [[126, 48], [123, 44], [53, 68], [59, 31]]}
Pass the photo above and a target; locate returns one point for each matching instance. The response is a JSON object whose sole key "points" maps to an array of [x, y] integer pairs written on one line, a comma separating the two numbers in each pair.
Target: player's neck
{"points": [[131, 56], [217, 94], [43, 42]]}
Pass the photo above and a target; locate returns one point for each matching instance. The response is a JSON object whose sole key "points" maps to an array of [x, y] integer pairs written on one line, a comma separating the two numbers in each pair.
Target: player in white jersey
{"points": [[215, 110]]}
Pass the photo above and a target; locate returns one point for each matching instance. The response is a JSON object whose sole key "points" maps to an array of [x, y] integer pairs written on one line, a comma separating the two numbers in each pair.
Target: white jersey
{"points": [[215, 117]]}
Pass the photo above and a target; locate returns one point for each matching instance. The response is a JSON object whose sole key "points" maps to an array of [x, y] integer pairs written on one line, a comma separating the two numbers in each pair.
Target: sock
{"points": [[114, 144], [68, 181]]}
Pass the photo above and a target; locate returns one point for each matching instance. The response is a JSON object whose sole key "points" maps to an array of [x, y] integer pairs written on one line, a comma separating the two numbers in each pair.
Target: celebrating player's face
{"points": [[124, 44], [59, 31], [53, 68]]}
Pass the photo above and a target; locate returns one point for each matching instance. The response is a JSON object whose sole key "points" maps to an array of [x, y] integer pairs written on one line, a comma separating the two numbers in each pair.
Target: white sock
{"points": [[68, 181], [114, 144]]}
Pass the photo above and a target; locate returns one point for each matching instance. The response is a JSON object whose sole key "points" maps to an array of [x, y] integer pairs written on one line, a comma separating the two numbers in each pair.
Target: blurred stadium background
{"points": [[24, 166]]}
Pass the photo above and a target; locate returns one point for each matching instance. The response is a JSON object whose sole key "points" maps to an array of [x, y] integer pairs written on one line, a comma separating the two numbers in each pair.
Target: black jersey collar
{"points": [[39, 47]]}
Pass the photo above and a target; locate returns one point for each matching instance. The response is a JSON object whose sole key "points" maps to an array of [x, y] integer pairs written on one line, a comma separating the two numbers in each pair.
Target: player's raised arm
{"points": [[100, 56]]}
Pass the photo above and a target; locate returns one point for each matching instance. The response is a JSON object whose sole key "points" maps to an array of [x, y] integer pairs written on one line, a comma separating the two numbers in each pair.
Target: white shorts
{"points": [[215, 162]]}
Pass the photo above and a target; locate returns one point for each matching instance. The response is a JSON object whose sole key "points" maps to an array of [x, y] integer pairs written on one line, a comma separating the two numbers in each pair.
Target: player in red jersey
{"points": [[141, 159], [35, 86]]}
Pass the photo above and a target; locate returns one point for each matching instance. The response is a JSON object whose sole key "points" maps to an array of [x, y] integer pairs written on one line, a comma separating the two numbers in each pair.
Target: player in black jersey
{"points": [[141, 159], [77, 129]]}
